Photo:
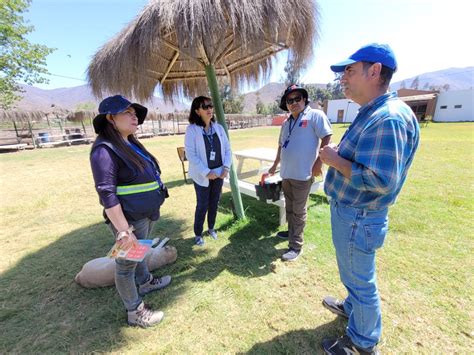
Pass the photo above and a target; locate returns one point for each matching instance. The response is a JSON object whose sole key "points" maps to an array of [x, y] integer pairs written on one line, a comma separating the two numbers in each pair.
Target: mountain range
{"points": [[74, 97], [80, 96]]}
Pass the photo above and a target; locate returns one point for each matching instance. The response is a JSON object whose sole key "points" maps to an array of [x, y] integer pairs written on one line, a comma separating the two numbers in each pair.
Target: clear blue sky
{"points": [[426, 35]]}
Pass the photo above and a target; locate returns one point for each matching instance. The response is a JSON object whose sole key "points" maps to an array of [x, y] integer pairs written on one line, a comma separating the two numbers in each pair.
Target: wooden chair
{"points": [[182, 158]]}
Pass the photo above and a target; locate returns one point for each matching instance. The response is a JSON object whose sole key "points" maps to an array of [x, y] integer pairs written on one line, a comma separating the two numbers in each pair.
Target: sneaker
{"points": [[291, 254], [144, 316], [154, 284], [213, 233], [335, 306], [282, 234], [198, 240], [344, 346]]}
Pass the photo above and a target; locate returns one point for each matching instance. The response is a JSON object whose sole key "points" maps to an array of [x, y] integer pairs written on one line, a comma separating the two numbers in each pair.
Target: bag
{"points": [[100, 272], [269, 188]]}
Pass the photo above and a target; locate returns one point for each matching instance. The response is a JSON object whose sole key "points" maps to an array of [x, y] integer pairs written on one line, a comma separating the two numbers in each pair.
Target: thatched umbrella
{"points": [[173, 46]]}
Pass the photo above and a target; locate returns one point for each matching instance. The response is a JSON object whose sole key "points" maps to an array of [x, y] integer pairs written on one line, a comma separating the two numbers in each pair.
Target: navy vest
{"points": [[140, 197]]}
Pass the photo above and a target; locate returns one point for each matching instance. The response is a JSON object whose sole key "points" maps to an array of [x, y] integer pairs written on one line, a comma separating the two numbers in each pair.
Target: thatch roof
{"points": [[170, 42], [78, 116], [25, 115]]}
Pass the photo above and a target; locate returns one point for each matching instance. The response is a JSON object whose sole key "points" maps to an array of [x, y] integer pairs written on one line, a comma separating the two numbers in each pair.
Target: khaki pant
{"points": [[296, 197]]}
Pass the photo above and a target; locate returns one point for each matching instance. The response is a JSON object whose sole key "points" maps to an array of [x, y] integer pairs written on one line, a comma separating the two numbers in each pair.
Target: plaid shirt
{"points": [[381, 144]]}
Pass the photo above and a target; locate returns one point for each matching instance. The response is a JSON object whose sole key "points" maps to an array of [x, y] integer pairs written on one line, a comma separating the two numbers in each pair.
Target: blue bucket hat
{"points": [[114, 105], [374, 53]]}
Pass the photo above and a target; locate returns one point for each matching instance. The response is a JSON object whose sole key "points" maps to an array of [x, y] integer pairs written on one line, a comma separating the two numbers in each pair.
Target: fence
{"points": [[21, 129]]}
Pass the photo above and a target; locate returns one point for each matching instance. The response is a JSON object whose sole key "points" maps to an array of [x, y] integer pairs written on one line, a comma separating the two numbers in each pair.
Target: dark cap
{"points": [[289, 90], [114, 105], [373, 53]]}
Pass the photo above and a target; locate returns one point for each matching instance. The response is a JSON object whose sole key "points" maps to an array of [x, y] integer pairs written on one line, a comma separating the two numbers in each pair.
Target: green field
{"points": [[234, 295]]}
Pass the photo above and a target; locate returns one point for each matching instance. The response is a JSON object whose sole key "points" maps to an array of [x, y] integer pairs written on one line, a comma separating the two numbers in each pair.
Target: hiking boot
{"points": [[344, 346], [144, 316], [198, 240], [154, 284], [335, 306], [213, 233], [282, 234], [291, 254]]}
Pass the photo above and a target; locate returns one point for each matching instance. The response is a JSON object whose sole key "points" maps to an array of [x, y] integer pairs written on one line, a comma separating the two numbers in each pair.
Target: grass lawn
{"points": [[233, 295]]}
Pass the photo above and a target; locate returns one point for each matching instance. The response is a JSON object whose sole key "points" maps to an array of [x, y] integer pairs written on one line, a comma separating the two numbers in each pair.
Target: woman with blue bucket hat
{"points": [[128, 180]]}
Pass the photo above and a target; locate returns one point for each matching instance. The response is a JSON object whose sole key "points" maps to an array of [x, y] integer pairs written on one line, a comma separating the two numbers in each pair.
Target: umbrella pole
{"points": [[216, 99]]}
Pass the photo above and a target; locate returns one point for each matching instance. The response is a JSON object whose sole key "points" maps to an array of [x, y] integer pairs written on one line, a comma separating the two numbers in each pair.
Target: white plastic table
{"points": [[263, 155]]}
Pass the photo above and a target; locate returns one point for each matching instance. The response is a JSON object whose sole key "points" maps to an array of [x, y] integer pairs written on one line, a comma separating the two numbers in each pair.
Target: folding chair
{"points": [[182, 158]]}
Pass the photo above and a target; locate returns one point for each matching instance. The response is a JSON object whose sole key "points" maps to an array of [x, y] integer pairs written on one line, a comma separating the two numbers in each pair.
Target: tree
{"points": [[20, 60], [86, 106], [274, 107], [403, 85], [292, 72], [335, 90], [260, 107], [415, 83], [231, 104], [317, 94]]}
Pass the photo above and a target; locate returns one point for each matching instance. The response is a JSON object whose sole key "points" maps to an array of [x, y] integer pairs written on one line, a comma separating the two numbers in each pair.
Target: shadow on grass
{"points": [[252, 245], [42, 309], [317, 199], [303, 341], [177, 183]]}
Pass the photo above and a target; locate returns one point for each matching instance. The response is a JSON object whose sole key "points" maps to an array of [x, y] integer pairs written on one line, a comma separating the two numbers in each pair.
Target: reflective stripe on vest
{"points": [[138, 188]]}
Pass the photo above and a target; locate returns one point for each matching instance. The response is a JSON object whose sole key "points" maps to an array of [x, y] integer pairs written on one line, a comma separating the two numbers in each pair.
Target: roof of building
{"points": [[426, 97]]}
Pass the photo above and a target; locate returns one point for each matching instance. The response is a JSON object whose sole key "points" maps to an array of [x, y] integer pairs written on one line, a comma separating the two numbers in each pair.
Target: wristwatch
{"points": [[124, 233]]}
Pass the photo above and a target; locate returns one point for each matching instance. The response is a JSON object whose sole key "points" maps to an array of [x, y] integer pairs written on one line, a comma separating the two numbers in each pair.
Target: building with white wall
{"points": [[341, 111], [449, 106], [455, 106]]}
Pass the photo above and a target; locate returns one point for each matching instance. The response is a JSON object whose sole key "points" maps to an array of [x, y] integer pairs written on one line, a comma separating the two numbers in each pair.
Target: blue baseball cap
{"points": [[113, 105], [374, 53]]}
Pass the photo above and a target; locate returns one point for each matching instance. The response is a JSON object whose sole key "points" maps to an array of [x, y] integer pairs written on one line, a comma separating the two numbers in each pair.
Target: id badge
{"points": [[212, 156]]}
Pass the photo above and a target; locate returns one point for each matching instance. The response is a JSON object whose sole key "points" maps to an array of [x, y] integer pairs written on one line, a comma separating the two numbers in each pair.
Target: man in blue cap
{"points": [[366, 173]]}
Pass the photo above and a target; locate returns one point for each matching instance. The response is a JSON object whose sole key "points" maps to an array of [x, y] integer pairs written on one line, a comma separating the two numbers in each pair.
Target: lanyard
{"points": [[147, 158], [209, 136], [292, 126]]}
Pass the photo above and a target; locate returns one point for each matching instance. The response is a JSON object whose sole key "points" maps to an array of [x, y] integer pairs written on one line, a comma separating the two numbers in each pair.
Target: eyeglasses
{"points": [[295, 99], [129, 113], [206, 107]]}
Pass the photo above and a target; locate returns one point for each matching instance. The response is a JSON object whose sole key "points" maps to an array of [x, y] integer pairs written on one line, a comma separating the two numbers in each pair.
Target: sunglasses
{"points": [[208, 106], [295, 99]]}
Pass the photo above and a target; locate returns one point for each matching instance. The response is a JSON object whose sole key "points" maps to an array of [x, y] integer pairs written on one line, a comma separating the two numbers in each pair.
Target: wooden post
{"points": [[31, 132], [153, 126], [16, 131], [60, 125], [84, 128], [219, 110]]}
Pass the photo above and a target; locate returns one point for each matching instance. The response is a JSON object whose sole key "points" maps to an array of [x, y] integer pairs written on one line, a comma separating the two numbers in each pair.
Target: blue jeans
{"points": [[129, 274], [207, 199], [357, 234]]}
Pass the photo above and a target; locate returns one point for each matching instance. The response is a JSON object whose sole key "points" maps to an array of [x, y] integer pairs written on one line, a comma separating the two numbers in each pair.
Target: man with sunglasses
{"points": [[366, 173], [301, 136]]}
